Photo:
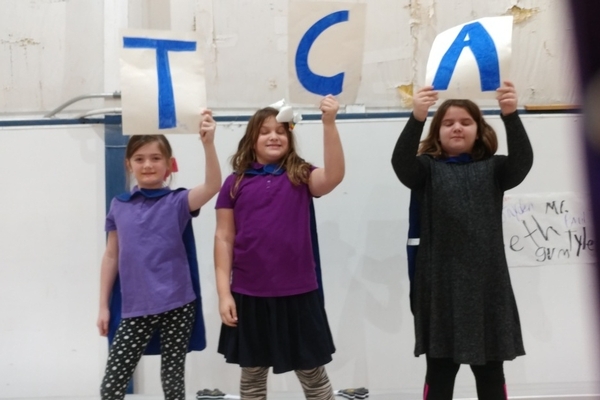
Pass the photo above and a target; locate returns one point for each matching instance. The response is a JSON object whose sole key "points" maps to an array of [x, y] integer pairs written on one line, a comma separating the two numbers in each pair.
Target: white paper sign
{"points": [[325, 45], [162, 82], [471, 60], [548, 229]]}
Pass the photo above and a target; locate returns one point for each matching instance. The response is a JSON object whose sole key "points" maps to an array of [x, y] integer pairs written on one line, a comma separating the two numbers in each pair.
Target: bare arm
{"points": [[324, 180], [108, 273], [201, 194], [224, 238]]}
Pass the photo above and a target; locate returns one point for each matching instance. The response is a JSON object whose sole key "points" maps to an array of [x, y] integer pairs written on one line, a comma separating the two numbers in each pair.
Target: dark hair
{"points": [[137, 141], [297, 169], [486, 142]]}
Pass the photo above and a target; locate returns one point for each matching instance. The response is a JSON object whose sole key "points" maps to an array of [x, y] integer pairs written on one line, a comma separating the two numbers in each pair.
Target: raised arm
{"points": [[199, 195], [515, 167], [404, 158], [108, 273], [224, 238], [324, 180]]}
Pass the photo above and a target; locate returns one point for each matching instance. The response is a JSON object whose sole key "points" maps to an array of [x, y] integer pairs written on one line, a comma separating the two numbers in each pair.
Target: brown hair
{"points": [[297, 169], [137, 141], [486, 142]]}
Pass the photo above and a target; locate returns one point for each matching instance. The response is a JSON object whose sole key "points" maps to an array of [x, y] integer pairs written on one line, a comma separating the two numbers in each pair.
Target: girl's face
{"points": [[149, 166], [272, 143], [458, 132]]}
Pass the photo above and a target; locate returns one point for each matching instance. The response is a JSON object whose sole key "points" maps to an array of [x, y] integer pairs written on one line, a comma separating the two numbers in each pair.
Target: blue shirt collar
{"points": [[463, 158], [266, 169], [147, 193]]}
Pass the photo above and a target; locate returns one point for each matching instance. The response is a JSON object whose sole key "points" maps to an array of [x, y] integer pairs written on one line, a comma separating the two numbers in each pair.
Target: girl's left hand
{"points": [[507, 98], [329, 106], [207, 127]]}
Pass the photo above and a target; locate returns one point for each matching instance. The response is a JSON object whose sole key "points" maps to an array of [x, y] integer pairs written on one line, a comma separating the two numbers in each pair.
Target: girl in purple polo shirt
{"points": [[269, 302], [148, 245]]}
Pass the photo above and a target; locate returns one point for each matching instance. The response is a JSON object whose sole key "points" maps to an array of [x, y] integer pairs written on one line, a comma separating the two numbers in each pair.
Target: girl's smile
{"points": [[149, 166], [272, 143]]}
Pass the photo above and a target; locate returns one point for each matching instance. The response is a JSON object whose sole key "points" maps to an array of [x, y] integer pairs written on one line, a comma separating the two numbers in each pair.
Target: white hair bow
{"points": [[286, 113]]}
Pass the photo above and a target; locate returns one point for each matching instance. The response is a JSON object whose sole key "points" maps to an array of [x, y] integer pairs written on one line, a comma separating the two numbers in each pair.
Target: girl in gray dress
{"points": [[463, 304]]}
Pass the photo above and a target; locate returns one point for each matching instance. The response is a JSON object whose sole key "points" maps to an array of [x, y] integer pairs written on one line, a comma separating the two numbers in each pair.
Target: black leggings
{"points": [[132, 337], [441, 373]]}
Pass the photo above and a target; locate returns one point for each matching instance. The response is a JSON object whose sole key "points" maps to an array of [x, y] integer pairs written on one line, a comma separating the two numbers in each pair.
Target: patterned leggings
{"points": [[132, 337], [441, 373], [315, 383]]}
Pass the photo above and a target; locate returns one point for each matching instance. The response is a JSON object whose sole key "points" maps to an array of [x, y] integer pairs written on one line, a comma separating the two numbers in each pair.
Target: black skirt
{"points": [[286, 333]]}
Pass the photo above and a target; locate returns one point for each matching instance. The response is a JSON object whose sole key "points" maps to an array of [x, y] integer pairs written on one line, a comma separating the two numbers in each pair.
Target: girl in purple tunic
{"points": [[146, 230], [269, 302]]}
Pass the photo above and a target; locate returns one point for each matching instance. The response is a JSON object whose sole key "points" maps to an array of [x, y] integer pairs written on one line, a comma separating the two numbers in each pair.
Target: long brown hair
{"points": [[298, 170], [486, 142]]}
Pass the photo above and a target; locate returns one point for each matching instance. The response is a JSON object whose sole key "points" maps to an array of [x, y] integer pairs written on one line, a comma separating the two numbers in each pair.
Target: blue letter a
{"points": [[484, 49], [318, 84]]}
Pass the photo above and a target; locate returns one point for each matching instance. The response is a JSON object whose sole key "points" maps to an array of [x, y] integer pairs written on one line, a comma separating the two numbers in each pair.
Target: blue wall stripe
{"points": [[114, 160], [111, 119]]}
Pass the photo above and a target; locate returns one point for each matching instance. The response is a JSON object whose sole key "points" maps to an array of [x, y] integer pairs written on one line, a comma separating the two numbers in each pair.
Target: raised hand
{"points": [[507, 98], [329, 106], [422, 100], [207, 127]]}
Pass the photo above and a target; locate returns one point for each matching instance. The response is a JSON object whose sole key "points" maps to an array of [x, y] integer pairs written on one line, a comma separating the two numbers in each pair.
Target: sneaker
{"points": [[210, 394], [360, 393], [347, 393]]}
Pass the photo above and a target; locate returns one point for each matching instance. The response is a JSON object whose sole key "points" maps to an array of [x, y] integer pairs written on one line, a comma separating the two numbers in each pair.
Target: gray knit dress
{"points": [[464, 307]]}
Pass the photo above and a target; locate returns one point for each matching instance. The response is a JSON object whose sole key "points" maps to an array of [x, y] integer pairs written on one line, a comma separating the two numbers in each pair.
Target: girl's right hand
{"points": [[207, 127], [228, 311], [422, 100], [103, 318]]}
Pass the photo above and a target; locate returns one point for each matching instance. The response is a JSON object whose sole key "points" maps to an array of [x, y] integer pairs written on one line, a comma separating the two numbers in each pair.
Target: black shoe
{"points": [[209, 394], [360, 393]]}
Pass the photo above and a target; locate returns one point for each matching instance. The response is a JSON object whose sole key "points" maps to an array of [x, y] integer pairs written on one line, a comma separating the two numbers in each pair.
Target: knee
{"points": [[110, 392], [441, 369], [313, 377], [314, 373], [490, 372], [255, 373]]}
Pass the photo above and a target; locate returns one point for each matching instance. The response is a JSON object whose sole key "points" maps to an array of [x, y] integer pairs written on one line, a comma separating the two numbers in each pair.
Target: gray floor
{"points": [[373, 396], [298, 396], [556, 391]]}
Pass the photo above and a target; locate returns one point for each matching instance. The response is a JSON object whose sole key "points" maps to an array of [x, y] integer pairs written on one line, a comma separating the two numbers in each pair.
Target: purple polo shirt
{"points": [[153, 266], [272, 251]]}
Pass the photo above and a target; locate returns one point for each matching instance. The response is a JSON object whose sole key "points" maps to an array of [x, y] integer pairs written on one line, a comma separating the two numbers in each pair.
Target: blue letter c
{"points": [[318, 84]]}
